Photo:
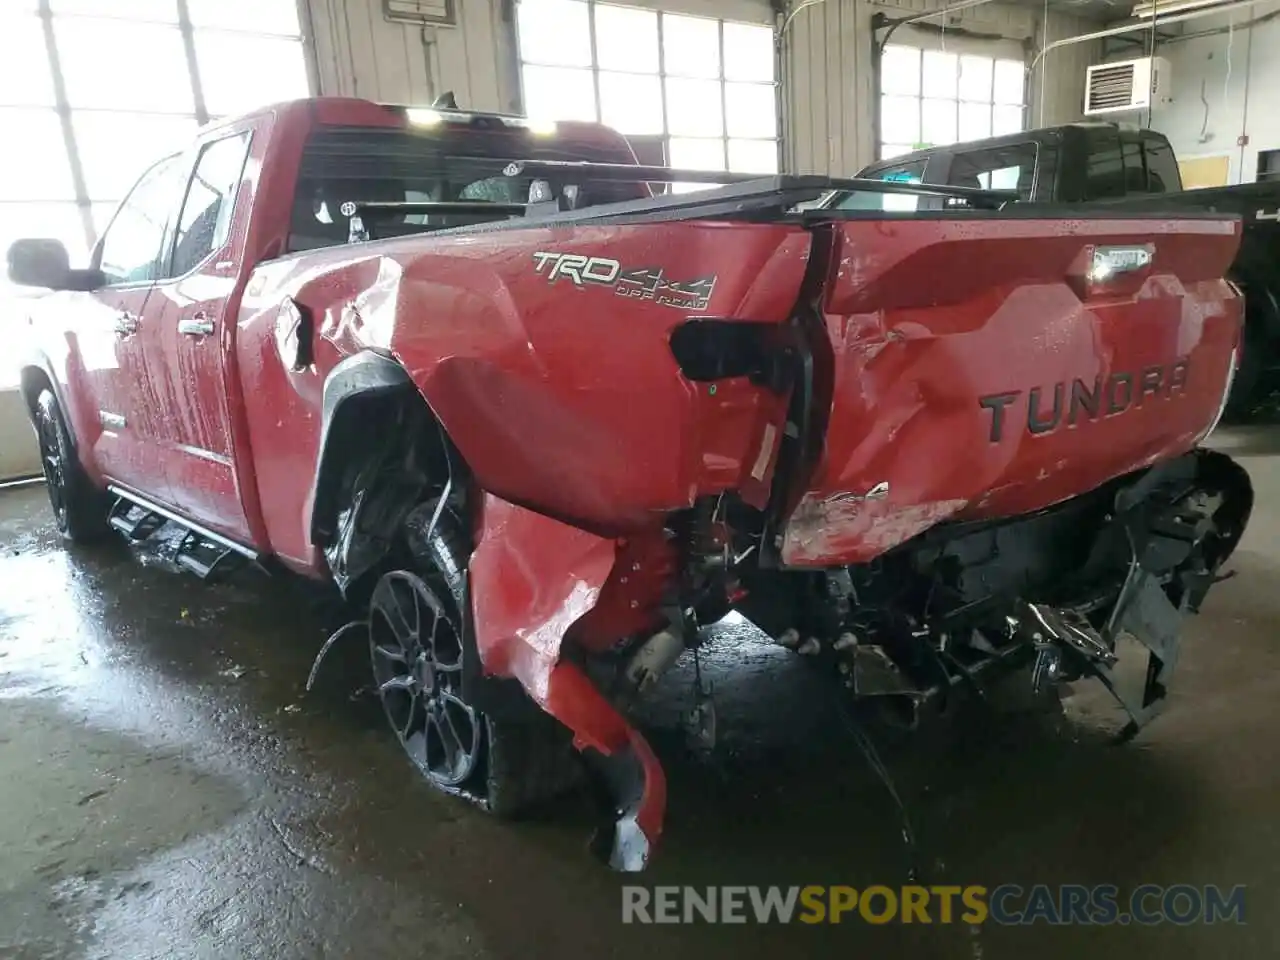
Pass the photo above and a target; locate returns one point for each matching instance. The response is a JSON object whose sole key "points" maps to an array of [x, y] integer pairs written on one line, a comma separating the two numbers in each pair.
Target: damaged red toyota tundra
{"points": [[540, 422]]}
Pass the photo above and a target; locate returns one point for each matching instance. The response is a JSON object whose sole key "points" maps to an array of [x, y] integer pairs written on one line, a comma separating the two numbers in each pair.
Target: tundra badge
{"points": [[1066, 404]]}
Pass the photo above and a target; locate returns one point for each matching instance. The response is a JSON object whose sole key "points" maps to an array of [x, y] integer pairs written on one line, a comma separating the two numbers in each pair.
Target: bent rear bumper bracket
{"points": [[1150, 618]]}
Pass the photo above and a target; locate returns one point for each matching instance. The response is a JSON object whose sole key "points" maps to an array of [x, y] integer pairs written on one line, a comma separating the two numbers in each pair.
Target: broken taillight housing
{"points": [[711, 349]]}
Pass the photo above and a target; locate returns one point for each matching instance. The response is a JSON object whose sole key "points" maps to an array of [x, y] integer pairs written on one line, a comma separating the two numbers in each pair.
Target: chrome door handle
{"points": [[198, 325], [126, 325]]}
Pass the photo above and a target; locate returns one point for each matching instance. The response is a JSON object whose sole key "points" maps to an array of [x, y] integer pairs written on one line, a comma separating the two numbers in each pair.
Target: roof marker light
{"points": [[422, 117]]}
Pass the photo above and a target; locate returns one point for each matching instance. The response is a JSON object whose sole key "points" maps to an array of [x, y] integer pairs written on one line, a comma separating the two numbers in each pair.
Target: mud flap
{"points": [[1174, 553], [1150, 618]]}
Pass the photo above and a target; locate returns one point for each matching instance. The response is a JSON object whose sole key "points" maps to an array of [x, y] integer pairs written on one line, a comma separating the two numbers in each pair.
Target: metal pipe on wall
{"points": [[780, 66], [782, 63], [310, 46], [1244, 108], [1143, 25], [1218, 31], [929, 15]]}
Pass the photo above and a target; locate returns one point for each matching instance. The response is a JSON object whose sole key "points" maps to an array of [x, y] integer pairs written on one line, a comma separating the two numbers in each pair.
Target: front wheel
{"points": [[79, 508]]}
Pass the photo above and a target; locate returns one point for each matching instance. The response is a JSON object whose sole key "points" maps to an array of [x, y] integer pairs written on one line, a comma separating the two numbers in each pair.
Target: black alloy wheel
{"points": [[79, 508], [52, 462], [415, 643]]}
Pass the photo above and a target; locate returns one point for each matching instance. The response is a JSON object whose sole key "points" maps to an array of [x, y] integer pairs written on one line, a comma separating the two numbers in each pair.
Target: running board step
{"points": [[203, 557], [134, 521], [200, 551]]}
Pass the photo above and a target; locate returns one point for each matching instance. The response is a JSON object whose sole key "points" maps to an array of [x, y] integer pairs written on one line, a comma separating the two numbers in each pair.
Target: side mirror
{"points": [[39, 263]]}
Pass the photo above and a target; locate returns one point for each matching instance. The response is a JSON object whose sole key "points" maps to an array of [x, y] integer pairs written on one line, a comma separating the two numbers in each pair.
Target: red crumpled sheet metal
{"points": [[532, 578]]}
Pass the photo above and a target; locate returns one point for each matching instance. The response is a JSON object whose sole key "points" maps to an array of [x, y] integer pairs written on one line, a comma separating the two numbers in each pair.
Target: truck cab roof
{"points": [[426, 120], [1043, 135]]}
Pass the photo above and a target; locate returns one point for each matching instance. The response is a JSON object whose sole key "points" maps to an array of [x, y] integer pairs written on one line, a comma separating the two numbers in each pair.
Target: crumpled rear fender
{"points": [[532, 579], [564, 392]]}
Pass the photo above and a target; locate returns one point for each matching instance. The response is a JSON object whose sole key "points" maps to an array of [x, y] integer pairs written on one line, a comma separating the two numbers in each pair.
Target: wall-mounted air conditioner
{"points": [[1127, 85]]}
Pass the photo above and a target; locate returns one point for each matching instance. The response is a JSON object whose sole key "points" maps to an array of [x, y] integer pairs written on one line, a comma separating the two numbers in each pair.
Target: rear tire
{"points": [[79, 508], [513, 762]]}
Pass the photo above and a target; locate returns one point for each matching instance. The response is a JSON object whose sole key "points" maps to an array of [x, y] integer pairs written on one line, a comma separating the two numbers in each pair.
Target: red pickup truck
{"points": [[541, 423]]}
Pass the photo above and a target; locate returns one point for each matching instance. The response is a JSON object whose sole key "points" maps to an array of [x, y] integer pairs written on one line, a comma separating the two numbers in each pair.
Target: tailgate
{"points": [[990, 366]]}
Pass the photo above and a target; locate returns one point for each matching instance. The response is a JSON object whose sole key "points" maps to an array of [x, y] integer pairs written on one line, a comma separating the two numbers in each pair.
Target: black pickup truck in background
{"points": [[1094, 162]]}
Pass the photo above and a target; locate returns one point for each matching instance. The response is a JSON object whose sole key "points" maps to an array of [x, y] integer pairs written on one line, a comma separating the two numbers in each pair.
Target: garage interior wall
{"points": [[827, 77], [18, 454], [1222, 87], [359, 53], [830, 91]]}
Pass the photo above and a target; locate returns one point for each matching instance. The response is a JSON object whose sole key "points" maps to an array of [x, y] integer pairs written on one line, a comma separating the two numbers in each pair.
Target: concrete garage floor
{"points": [[166, 789]]}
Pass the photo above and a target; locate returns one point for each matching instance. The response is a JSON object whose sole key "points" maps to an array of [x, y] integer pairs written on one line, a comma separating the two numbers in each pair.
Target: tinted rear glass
{"points": [[342, 166], [1104, 175]]}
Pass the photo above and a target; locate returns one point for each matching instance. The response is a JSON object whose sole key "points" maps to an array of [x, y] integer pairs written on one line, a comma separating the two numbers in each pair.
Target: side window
{"points": [[131, 247], [1104, 175], [1163, 175], [205, 219], [1009, 167], [903, 173], [912, 172]]}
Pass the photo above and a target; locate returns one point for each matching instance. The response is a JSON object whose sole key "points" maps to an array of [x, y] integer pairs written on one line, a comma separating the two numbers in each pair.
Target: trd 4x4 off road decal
{"points": [[645, 283]]}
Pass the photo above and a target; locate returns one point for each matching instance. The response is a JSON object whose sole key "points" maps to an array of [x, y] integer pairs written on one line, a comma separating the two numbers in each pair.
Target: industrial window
{"points": [[694, 92], [931, 98], [138, 77]]}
